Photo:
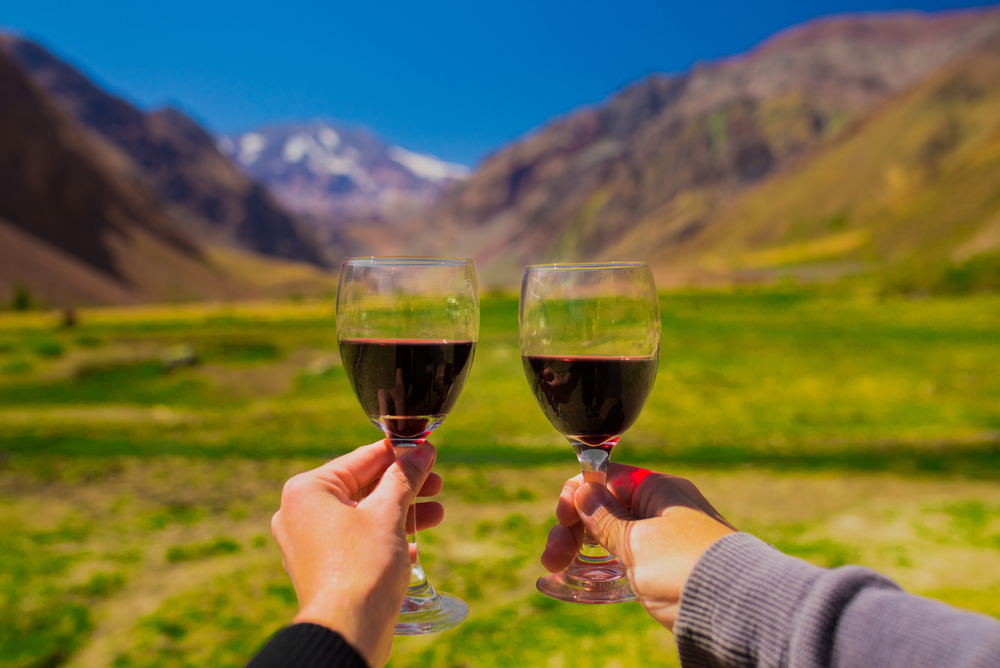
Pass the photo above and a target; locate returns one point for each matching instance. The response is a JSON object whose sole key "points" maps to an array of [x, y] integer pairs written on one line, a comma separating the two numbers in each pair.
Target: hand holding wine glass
{"points": [[323, 519], [659, 525], [590, 341], [407, 329]]}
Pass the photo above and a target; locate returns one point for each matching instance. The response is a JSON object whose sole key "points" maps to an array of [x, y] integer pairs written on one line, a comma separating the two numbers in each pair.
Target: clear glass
{"points": [[590, 344], [407, 329]]}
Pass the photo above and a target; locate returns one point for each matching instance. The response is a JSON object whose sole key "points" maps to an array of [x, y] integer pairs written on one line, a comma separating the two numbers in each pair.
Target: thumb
{"points": [[606, 518], [398, 488]]}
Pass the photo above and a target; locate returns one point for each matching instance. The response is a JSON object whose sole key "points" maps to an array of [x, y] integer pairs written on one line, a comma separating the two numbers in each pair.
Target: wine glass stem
{"points": [[594, 460], [418, 580], [420, 589]]}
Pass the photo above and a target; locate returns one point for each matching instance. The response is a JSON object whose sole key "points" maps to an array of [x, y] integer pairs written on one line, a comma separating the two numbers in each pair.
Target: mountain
{"points": [[913, 190], [335, 174], [650, 173], [222, 206], [77, 220]]}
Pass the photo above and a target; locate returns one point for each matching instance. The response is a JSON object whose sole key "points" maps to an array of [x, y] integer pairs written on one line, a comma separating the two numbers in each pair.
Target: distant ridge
{"points": [[912, 191], [649, 173], [78, 223], [223, 206]]}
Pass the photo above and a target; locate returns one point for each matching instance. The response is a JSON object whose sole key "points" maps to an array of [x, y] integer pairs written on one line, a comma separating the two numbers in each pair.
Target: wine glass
{"points": [[407, 328], [590, 342]]}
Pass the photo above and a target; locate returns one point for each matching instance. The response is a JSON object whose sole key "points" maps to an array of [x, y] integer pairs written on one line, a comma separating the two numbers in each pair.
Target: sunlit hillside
{"points": [[912, 192]]}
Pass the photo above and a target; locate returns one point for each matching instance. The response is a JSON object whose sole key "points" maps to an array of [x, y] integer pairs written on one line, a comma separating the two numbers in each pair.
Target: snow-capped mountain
{"points": [[339, 173]]}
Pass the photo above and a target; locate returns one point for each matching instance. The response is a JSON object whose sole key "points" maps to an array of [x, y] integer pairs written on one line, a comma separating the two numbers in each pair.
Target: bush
{"points": [[213, 548], [22, 299], [16, 366], [976, 274], [47, 347], [89, 341]]}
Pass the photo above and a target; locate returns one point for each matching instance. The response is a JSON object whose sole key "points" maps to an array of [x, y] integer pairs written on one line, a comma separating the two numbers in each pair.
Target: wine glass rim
{"points": [[408, 261], [584, 266]]}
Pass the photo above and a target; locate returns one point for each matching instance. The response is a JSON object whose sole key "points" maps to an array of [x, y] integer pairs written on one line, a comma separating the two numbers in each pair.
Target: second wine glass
{"points": [[407, 328], [590, 342]]}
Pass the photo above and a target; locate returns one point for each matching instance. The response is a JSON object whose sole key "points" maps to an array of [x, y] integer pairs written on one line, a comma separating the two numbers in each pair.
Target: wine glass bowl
{"points": [[590, 339], [407, 329]]}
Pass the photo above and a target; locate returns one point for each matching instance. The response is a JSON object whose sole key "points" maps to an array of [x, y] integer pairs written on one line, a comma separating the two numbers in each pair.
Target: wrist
{"points": [[347, 616]]}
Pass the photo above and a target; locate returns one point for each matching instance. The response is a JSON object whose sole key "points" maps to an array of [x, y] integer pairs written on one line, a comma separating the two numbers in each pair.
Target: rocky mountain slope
{"points": [[77, 221], [334, 173], [650, 173], [912, 189], [222, 205]]}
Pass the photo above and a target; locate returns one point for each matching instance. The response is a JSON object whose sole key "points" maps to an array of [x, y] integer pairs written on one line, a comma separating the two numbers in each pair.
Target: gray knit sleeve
{"points": [[746, 604]]}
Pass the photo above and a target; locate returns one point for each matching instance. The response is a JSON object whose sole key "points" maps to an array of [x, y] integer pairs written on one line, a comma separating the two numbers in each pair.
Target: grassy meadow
{"points": [[136, 488]]}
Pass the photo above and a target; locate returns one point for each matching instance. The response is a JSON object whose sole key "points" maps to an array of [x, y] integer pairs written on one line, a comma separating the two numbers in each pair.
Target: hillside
{"points": [[77, 221], [222, 206], [649, 173], [913, 189]]}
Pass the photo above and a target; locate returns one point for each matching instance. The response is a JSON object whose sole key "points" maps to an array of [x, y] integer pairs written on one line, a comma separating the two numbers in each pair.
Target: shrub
{"points": [[16, 366], [22, 299], [212, 548], [47, 347]]}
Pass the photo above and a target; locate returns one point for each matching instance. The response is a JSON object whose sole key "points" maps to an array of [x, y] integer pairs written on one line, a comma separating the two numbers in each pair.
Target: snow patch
{"points": [[321, 157], [251, 144], [329, 138], [427, 166], [297, 147], [334, 165]]}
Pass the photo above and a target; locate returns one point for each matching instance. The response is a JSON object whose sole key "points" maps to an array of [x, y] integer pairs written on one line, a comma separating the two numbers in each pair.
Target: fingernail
{"points": [[594, 498], [423, 456]]}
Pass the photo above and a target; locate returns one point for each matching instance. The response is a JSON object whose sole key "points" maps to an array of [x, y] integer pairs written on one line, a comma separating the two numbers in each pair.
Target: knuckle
{"points": [[606, 526], [293, 490], [397, 476], [408, 475]]}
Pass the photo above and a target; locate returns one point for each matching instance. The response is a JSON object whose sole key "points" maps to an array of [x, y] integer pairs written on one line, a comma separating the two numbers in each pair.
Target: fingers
{"points": [[623, 481], [606, 518], [432, 486], [355, 470], [566, 507], [562, 546], [401, 481], [429, 515]]}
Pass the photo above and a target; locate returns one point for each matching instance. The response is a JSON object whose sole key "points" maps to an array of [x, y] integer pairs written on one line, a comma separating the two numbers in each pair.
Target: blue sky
{"points": [[457, 79]]}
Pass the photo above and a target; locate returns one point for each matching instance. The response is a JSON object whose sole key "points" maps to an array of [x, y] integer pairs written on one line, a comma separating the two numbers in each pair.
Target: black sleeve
{"points": [[305, 646]]}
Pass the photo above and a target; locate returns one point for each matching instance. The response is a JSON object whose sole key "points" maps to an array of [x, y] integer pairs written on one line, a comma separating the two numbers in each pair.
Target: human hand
{"points": [[342, 535], [658, 526]]}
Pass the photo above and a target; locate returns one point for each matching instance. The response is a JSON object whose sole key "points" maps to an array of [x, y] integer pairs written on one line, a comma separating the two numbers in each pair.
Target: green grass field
{"points": [[135, 500]]}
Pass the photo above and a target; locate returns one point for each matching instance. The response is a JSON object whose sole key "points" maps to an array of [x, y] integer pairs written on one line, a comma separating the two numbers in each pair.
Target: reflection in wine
{"points": [[407, 387]]}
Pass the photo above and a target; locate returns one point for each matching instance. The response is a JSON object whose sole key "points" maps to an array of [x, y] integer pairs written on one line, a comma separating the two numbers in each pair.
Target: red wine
{"points": [[407, 387], [591, 398]]}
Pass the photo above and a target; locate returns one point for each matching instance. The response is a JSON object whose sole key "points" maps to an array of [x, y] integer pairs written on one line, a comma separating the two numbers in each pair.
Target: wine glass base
{"points": [[443, 613], [555, 586]]}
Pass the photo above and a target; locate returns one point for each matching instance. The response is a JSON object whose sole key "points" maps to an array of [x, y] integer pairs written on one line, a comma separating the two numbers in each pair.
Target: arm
{"points": [[732, 600], [746, 604]]}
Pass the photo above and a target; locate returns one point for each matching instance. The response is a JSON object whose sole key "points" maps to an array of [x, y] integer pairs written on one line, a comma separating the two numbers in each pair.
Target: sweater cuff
{"points": [[305, 646], [738, 603]]}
